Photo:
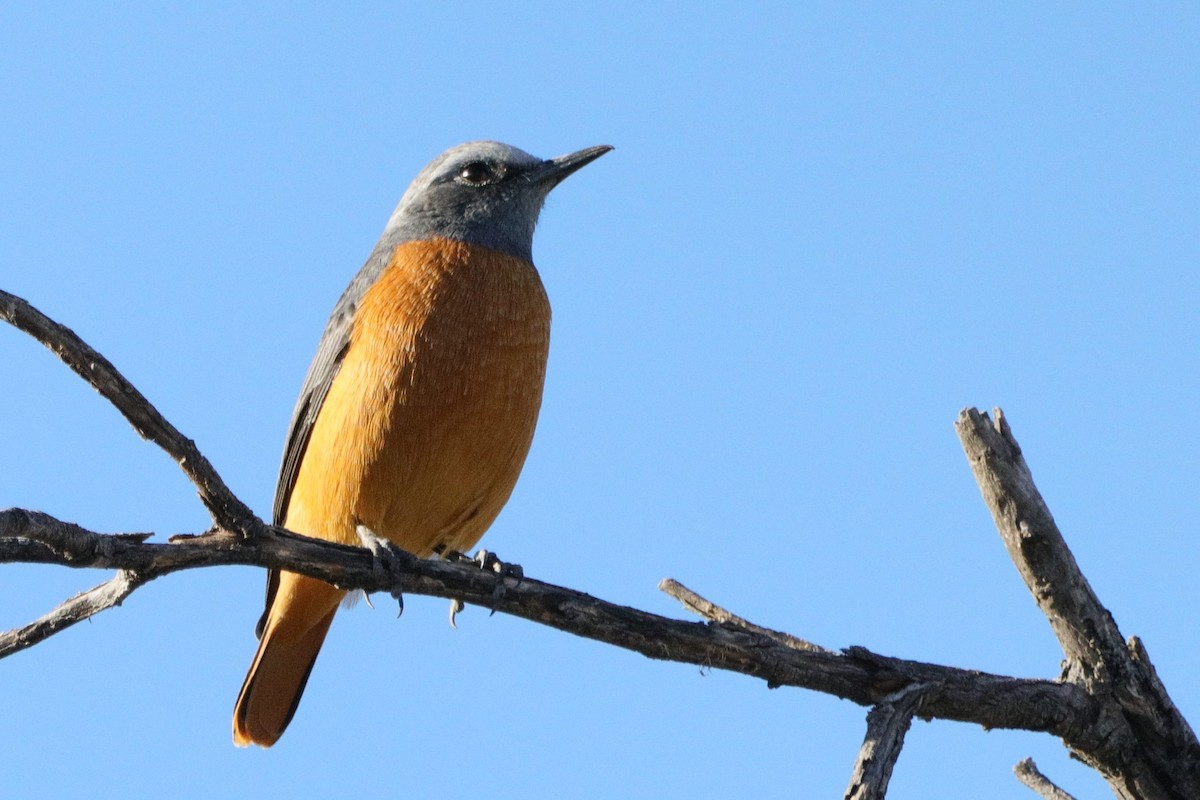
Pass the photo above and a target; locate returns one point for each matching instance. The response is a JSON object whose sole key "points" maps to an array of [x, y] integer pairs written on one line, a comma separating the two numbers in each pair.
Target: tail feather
{"points": [[295, 628]]}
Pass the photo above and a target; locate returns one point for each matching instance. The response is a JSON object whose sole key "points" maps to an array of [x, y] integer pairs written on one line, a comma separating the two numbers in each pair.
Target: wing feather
{"points": [[331, 352]]}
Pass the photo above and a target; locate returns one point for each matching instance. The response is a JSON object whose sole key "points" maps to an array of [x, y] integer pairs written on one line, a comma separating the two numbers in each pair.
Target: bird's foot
{"points": [[384, 554], [488, 562]]}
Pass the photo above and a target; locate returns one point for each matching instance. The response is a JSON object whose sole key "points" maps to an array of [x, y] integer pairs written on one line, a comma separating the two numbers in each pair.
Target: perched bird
{"points": [[419, 407]]}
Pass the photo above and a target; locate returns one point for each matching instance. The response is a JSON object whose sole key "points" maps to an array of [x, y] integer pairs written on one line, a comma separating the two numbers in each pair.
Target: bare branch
{"points": [[1142, 744], [1028, 774], [711, 611], [227, 511], [1111, 708], [993, 701], [80, 607], [887, 723], [1089, 637]]}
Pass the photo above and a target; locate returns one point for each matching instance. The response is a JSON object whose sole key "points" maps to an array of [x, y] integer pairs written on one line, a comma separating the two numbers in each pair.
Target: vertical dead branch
{"points": [[887, 724], [1142, 744], [1086, 631], [1028, 774]]}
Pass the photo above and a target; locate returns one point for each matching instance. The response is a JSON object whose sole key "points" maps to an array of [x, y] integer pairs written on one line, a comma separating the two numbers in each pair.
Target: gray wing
{"points": [[324, 368], [321, 373], [331, 351]]}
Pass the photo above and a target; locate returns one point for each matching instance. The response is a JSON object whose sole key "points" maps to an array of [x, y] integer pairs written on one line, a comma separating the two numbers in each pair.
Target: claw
{"points": [[383, 553], [490, 562], [486, 560], [368, 539]]}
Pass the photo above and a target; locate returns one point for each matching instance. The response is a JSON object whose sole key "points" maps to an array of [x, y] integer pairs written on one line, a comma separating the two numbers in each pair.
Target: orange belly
{"points": [[425, 429], [420, 438]]}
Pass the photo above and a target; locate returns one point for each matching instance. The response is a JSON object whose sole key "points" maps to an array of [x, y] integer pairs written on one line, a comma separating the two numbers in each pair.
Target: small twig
{"points": [[65, 539], [80, 607], [1028, 774], [887, 724], [711, 611], [227, 511]]}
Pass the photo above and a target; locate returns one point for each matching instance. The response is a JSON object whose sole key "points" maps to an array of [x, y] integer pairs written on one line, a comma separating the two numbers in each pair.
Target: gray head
{"points": [[484, 193]]}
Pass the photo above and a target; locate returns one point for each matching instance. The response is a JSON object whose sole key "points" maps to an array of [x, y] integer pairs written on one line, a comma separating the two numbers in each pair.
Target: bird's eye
{"points": [[476, 173]]}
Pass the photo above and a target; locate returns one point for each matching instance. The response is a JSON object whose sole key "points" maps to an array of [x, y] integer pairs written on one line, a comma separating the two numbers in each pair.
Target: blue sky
{"points": [[825, 229]]}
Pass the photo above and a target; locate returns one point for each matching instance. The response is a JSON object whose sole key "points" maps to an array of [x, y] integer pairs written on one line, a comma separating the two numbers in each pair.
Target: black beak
{"points": [[553, 172]]}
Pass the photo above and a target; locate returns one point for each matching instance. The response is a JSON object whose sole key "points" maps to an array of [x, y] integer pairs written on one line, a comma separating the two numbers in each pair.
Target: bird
{"points": [[419, 407]]}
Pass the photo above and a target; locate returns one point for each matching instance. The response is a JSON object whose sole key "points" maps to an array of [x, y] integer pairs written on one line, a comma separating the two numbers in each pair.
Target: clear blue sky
{"points": [[826, 228]]}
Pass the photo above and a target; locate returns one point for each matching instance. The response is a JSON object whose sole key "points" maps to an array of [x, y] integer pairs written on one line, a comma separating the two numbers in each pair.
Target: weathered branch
{"points": [[1110, 707], [1141, 744], [1089, 637], [76, 609], [993, 701], [887, 723], [1028, 774], [227, 511]]}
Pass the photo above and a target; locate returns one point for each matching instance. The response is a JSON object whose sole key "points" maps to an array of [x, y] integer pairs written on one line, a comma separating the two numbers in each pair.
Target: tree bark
{"points": [[1139, 741], [887, 723]]}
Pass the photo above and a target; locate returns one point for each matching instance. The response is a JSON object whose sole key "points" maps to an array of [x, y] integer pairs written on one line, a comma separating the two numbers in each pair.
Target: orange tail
{"points": [[296, 624]]}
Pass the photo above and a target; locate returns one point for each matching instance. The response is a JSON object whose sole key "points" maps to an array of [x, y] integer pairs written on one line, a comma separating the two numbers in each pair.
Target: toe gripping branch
{"points": [[487, 561], [384, 554]]}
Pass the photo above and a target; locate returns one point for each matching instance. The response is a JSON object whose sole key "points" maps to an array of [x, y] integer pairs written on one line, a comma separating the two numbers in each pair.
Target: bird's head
{"points": [[485, 193]]}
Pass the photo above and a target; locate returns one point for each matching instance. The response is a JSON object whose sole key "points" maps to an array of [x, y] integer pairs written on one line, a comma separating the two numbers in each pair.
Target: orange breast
{"points": [[425, 429]]}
